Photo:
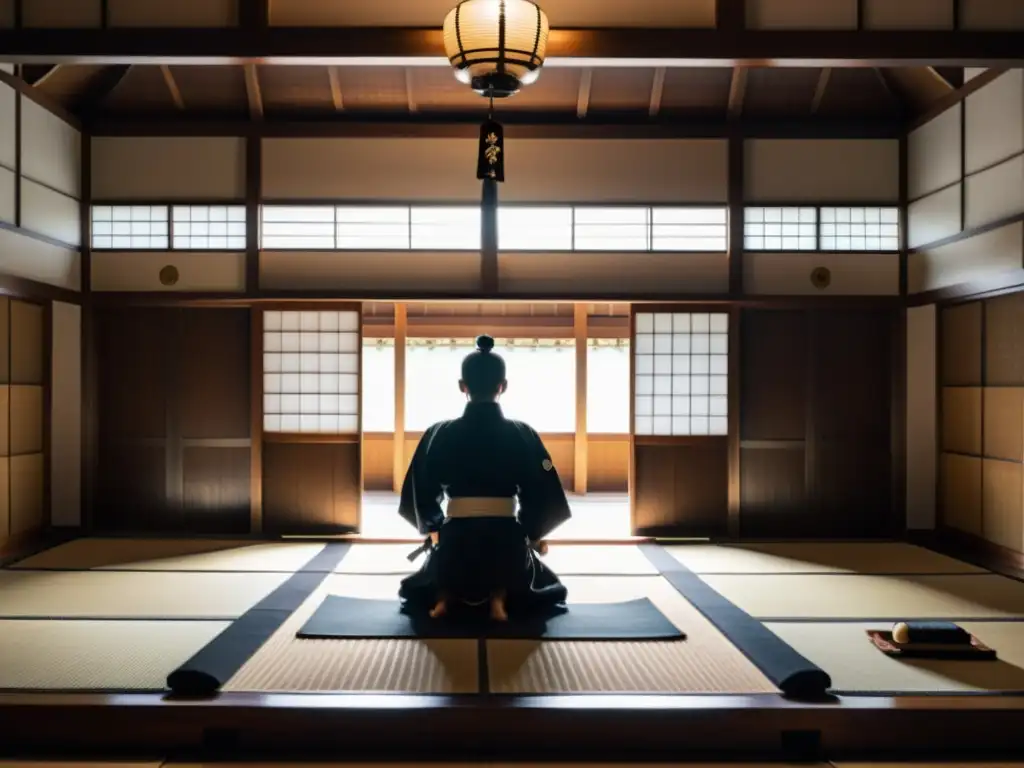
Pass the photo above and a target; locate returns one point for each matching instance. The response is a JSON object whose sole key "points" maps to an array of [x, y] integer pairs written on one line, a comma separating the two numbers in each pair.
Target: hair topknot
{"points": [[484, 343]]}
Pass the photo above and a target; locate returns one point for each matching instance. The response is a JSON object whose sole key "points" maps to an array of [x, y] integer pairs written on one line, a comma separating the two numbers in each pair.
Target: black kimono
{"points": [[483, 455]]}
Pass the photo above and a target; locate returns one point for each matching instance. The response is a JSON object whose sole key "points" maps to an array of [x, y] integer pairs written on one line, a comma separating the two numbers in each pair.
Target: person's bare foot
{"points": [[440, 609], [498, 610]]}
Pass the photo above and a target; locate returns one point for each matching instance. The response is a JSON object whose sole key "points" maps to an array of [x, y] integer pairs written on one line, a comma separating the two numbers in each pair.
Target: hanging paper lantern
{"points": [[496, 46]]}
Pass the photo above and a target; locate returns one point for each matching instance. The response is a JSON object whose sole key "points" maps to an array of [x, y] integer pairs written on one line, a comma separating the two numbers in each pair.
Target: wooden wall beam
{"points": [[581, 462], [733, 438], [735, 198], [87, 341], [727, 46], [398, 442], [256, 422], [253, 189], [518, 125]]}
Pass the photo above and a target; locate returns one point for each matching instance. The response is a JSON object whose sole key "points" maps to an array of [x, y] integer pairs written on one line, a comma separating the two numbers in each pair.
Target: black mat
{"points": [[222, 657], [794, 675], [347, 617]]}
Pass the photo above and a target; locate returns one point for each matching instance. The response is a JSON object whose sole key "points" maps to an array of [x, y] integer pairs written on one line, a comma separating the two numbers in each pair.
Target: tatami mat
{"points": [[286, 663], [98, 655], [830, 596], [817, 557], [706, 662], [175, 555], [856, 666], [565, 560], [145, 595]]}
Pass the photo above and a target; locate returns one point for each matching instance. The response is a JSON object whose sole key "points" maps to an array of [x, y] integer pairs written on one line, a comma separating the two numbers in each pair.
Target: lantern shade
{"points": [[496, 45]]}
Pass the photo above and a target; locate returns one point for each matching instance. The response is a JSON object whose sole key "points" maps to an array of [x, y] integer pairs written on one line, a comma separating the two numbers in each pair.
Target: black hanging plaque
{"points": [[490, 161]]}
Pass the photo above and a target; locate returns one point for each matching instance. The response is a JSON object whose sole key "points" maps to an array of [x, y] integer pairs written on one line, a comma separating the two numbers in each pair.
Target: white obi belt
{"points": [[473, 506]]}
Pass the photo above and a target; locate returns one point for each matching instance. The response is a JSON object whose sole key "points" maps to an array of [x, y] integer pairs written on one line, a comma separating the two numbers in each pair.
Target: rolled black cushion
{"points": [[944, 632]]}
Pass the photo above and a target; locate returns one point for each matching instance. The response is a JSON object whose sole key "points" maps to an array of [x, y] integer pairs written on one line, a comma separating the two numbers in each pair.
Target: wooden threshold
{"points": [[580, 727]]}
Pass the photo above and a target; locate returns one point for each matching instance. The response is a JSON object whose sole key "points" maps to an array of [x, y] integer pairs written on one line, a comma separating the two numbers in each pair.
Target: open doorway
{"points": [[410, 382]]}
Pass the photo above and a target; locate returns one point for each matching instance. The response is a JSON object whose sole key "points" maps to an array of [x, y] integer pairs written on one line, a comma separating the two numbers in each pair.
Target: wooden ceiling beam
{"points": [[566, 47], [820, 88], [172, 86], [517, 125], [253, 92]]}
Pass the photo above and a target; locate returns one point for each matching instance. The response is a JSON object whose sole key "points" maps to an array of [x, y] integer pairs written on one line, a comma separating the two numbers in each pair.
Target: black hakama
{"points": [[484, 456]]}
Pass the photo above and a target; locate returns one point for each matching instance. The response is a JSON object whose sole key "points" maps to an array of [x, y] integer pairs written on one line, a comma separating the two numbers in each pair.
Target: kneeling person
{"points": [[483, 462]]}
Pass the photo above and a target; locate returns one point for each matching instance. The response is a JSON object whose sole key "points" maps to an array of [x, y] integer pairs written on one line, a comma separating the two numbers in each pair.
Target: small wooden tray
{"points": [[976, 651]]}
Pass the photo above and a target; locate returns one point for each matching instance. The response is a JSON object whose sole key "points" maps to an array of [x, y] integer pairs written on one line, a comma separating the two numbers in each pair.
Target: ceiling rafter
{"points": [[583, 96], [737, 91], [337, 97], [253, 92], [172, 86], [820, 88], [410, 94], [100, 88], [604, 47], [657, 90]]}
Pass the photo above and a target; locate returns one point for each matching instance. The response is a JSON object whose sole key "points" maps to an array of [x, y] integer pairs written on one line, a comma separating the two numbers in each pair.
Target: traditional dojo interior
{"points": [[756, 269]]}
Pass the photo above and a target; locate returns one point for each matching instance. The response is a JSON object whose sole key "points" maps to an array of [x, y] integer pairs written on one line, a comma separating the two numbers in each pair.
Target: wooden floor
{"points": [[596, 516]]}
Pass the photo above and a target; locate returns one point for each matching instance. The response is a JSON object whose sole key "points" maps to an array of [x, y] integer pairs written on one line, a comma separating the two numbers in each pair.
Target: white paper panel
{"points": [[995, 121], [996, 193], [140, 271], [825, 170], [933, 154], [29, 257], [852, 274], [7, 110], [52, 14], [50, 213], [311, 366], [908, 14], [183, 168], [799, 14], [991, 14], [7, 194], [681, 374], [934, 218], [51, 150], [974, 258]]}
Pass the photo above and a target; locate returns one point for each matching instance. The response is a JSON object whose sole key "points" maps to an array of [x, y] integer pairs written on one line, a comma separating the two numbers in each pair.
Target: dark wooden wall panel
{"points": [[960, 344], [310, 487], [852, 374], [173, 400], [1004, 341], [773, 498], [132, 347], [852, 485], [682, 489], [215, 372], [216, 490], [773, 387], [131, 487], [816, 458]]}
